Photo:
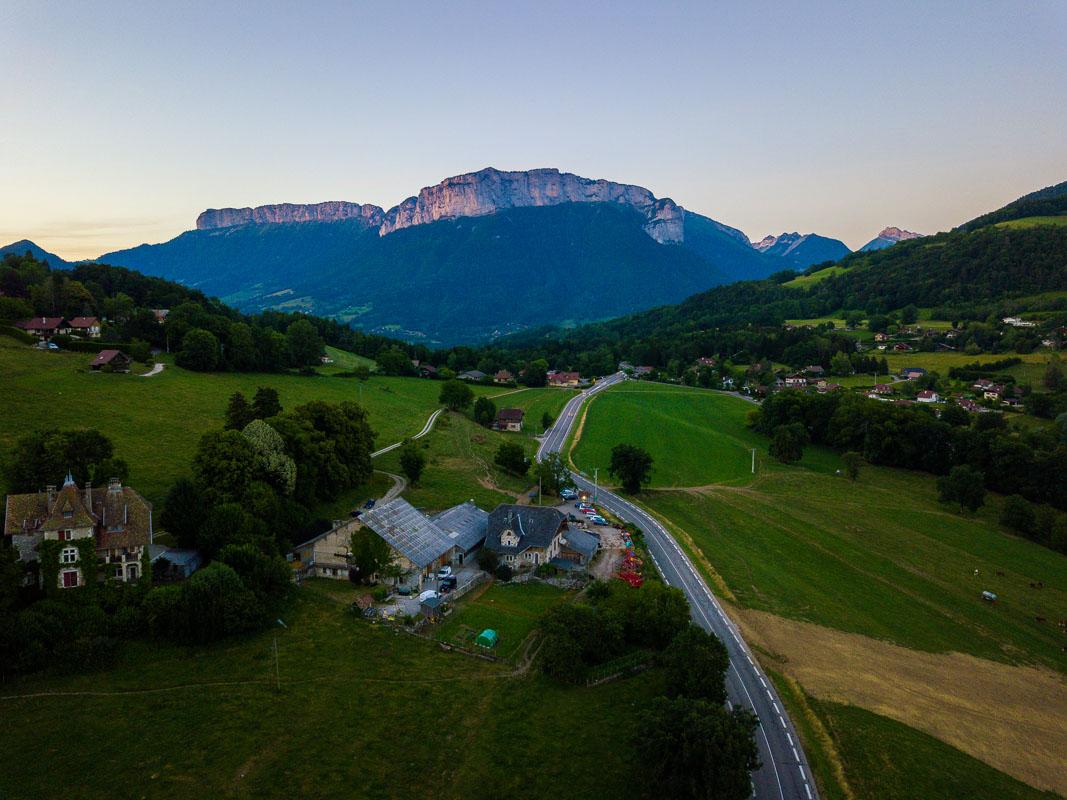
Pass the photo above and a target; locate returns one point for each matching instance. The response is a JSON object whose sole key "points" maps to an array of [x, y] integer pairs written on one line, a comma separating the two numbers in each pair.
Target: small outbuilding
{"points": [[111, 361], [487, 639]]}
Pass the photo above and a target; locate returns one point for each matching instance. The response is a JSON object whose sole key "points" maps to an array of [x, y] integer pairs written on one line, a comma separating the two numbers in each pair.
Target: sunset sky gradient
{"points": [[122, 121]]}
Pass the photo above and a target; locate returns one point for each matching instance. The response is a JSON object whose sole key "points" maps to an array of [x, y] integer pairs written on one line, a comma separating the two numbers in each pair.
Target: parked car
{"points": [[444, 572], [589, 511], [429, 594], [596, 519], [355, 513], [582, 506], [446, 584], [571, 518], [568, 494], [403, 591], [369, 503]]}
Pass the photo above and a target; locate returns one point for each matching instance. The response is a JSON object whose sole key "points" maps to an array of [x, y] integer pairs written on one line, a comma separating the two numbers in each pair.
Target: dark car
{"points": [[446, 585], [355, 513], [369, 503]]}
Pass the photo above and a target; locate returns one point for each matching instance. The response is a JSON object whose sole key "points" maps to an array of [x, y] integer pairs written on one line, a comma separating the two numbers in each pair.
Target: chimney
{"points": [[51, 496], [114, 485], [89, 495]]}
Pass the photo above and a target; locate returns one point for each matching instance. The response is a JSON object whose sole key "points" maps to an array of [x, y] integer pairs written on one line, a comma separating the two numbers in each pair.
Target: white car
{"points": [[444, 572], [429, 594]]}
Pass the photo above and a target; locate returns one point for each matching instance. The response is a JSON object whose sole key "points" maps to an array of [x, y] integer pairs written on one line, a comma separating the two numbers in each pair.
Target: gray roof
{"points": [[581, 542], [535, 525], [465, 524], [473, 375], [408, 531]]}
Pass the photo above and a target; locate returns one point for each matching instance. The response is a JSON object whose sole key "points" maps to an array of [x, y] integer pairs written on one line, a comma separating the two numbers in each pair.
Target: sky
{"points": [[122, 121]]}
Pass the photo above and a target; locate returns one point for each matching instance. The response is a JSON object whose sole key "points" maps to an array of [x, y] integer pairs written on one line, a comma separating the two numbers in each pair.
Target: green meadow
{"points": [[695, 436], [1033, 222], [361, 711], [156, 422]]}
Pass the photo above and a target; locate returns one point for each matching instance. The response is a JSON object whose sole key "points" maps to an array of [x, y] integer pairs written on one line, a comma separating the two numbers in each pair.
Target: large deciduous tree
{"points": [[511, 457], [455, 395], [631, 465]]}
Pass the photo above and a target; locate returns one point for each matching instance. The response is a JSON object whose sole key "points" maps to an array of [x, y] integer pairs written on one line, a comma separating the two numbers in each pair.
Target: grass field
{"points": [[459, 466], [1030, 371], [511, 610], [804, 281], [881, 557], [362, 712], [155, 423], [1033, 222], [695, 436], [344, 361], [535, 402]]}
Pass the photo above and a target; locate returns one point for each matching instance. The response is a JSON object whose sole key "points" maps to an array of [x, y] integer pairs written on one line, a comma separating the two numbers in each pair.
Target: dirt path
{"points": [[156, 369], [1009, 717], [400, 483]]}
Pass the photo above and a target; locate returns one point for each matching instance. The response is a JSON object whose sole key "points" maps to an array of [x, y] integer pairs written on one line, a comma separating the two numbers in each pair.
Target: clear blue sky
{"points": [[122, 121]]}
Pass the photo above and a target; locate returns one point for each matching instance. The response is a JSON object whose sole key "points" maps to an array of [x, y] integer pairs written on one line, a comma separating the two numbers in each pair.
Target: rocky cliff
{"points": [[332, 211], [476, 194], [889, 237], [489, 190]]}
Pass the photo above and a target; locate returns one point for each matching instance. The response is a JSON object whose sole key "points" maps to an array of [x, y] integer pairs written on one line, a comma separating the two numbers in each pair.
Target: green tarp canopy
{"points": [[487, 638]]}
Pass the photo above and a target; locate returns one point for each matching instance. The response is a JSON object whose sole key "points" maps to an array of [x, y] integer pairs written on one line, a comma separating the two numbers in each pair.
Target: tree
{"points": [[852, 461], [631, 465], [183, 512], [964, 485], [268, 576], [238, 412], [536, 373], [412, 461], [370, 554], [43, 458], [265, 403], [488, 560], [304, 345], [787, 442], [272, 462], [484, 411], [394, 361], [546, 421], [512, 458], [909, 315], [199, 351], [1053, 378], [692, 749], [853, 319], [456, 395], [695, 665], [241, 348], [553, 474], [840, 364], [1018, 515], [223, 466]]}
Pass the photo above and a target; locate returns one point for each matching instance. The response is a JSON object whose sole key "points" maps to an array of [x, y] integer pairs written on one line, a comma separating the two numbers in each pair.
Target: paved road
{"points": [[785, 774], [425, 430]]}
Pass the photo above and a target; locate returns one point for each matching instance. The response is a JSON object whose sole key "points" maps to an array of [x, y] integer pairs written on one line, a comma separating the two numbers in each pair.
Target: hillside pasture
{"points": [[156, 422], [695, 436], [360, 711], [1033, 222]]}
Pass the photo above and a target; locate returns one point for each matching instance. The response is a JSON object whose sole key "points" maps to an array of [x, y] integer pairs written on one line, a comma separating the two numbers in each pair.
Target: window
{"points": [[132, 572], [70, 579], [118, 572], [68, 514], [64, 536], [68, 555]]}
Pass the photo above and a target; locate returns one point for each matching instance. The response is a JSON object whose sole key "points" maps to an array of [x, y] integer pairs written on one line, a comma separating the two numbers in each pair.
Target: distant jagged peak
{"points": [[898, 234]]}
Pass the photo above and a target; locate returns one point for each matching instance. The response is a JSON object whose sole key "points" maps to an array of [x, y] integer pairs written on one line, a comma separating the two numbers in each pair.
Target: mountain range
{"points": [[472, 257]]}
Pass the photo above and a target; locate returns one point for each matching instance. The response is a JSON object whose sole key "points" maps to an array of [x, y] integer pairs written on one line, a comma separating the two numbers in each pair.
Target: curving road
{"points": [[425, 430], [785, 774]]}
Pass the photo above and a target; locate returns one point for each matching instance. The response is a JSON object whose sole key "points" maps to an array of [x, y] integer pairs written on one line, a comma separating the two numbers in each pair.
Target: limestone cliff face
{"points": [[489, 190], [473, 195], [332, 211]]}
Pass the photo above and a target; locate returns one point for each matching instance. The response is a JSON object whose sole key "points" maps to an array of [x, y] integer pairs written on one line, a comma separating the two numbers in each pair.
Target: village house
{"points": [[814, 370], [644, 370], [902, 347], [969, 405], [993, 392], [825, 387], [1018, 322], [43, 327], [912, 373], [503, 376], [881, 337], [85, 326], [160, 314], [982, 384], [525, 536], [326, 555], [707, 361], [115, 518], [427, 371], [509, 419], [465, 526], [626, 366], [419, 546], [570, 379], [928, 396], [111, 361], [883, 388], [796, 382], [324, 359], [472, 375]]}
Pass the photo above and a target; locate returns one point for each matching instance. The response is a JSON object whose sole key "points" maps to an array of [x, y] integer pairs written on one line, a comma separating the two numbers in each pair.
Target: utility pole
{"points": [[596, 472], [538, 490], [753, 460]]}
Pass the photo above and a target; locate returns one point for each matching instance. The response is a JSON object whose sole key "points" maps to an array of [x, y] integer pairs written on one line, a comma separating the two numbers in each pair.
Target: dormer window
{"points": [[508, 538], [68, 514]]}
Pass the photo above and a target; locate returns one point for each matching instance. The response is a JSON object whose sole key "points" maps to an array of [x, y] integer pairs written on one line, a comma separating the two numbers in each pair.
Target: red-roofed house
{"points": [[509, 419], [85, 326], [111, 360], [928, 396], [503, 376], [564, 378], [45, 327]]}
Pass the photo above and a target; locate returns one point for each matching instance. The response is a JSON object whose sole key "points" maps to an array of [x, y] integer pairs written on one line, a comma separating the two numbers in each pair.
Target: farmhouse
{"points": [[564, 378], [111, 361], [706, 361], [814, 370], [472, 375], [48, 527], [44, 327], [928, 396], [465, 526], [911, 373], [509, 419], [883, 388], [525, 536], [503, 376], [644, 370], [796, 382], [419, 545], [326, 555], [85, 326], [902, 347], [427, 371]]}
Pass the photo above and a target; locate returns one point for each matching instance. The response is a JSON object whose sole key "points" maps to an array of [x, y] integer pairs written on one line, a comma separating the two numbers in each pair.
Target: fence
{"points": [[623, 665]]}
